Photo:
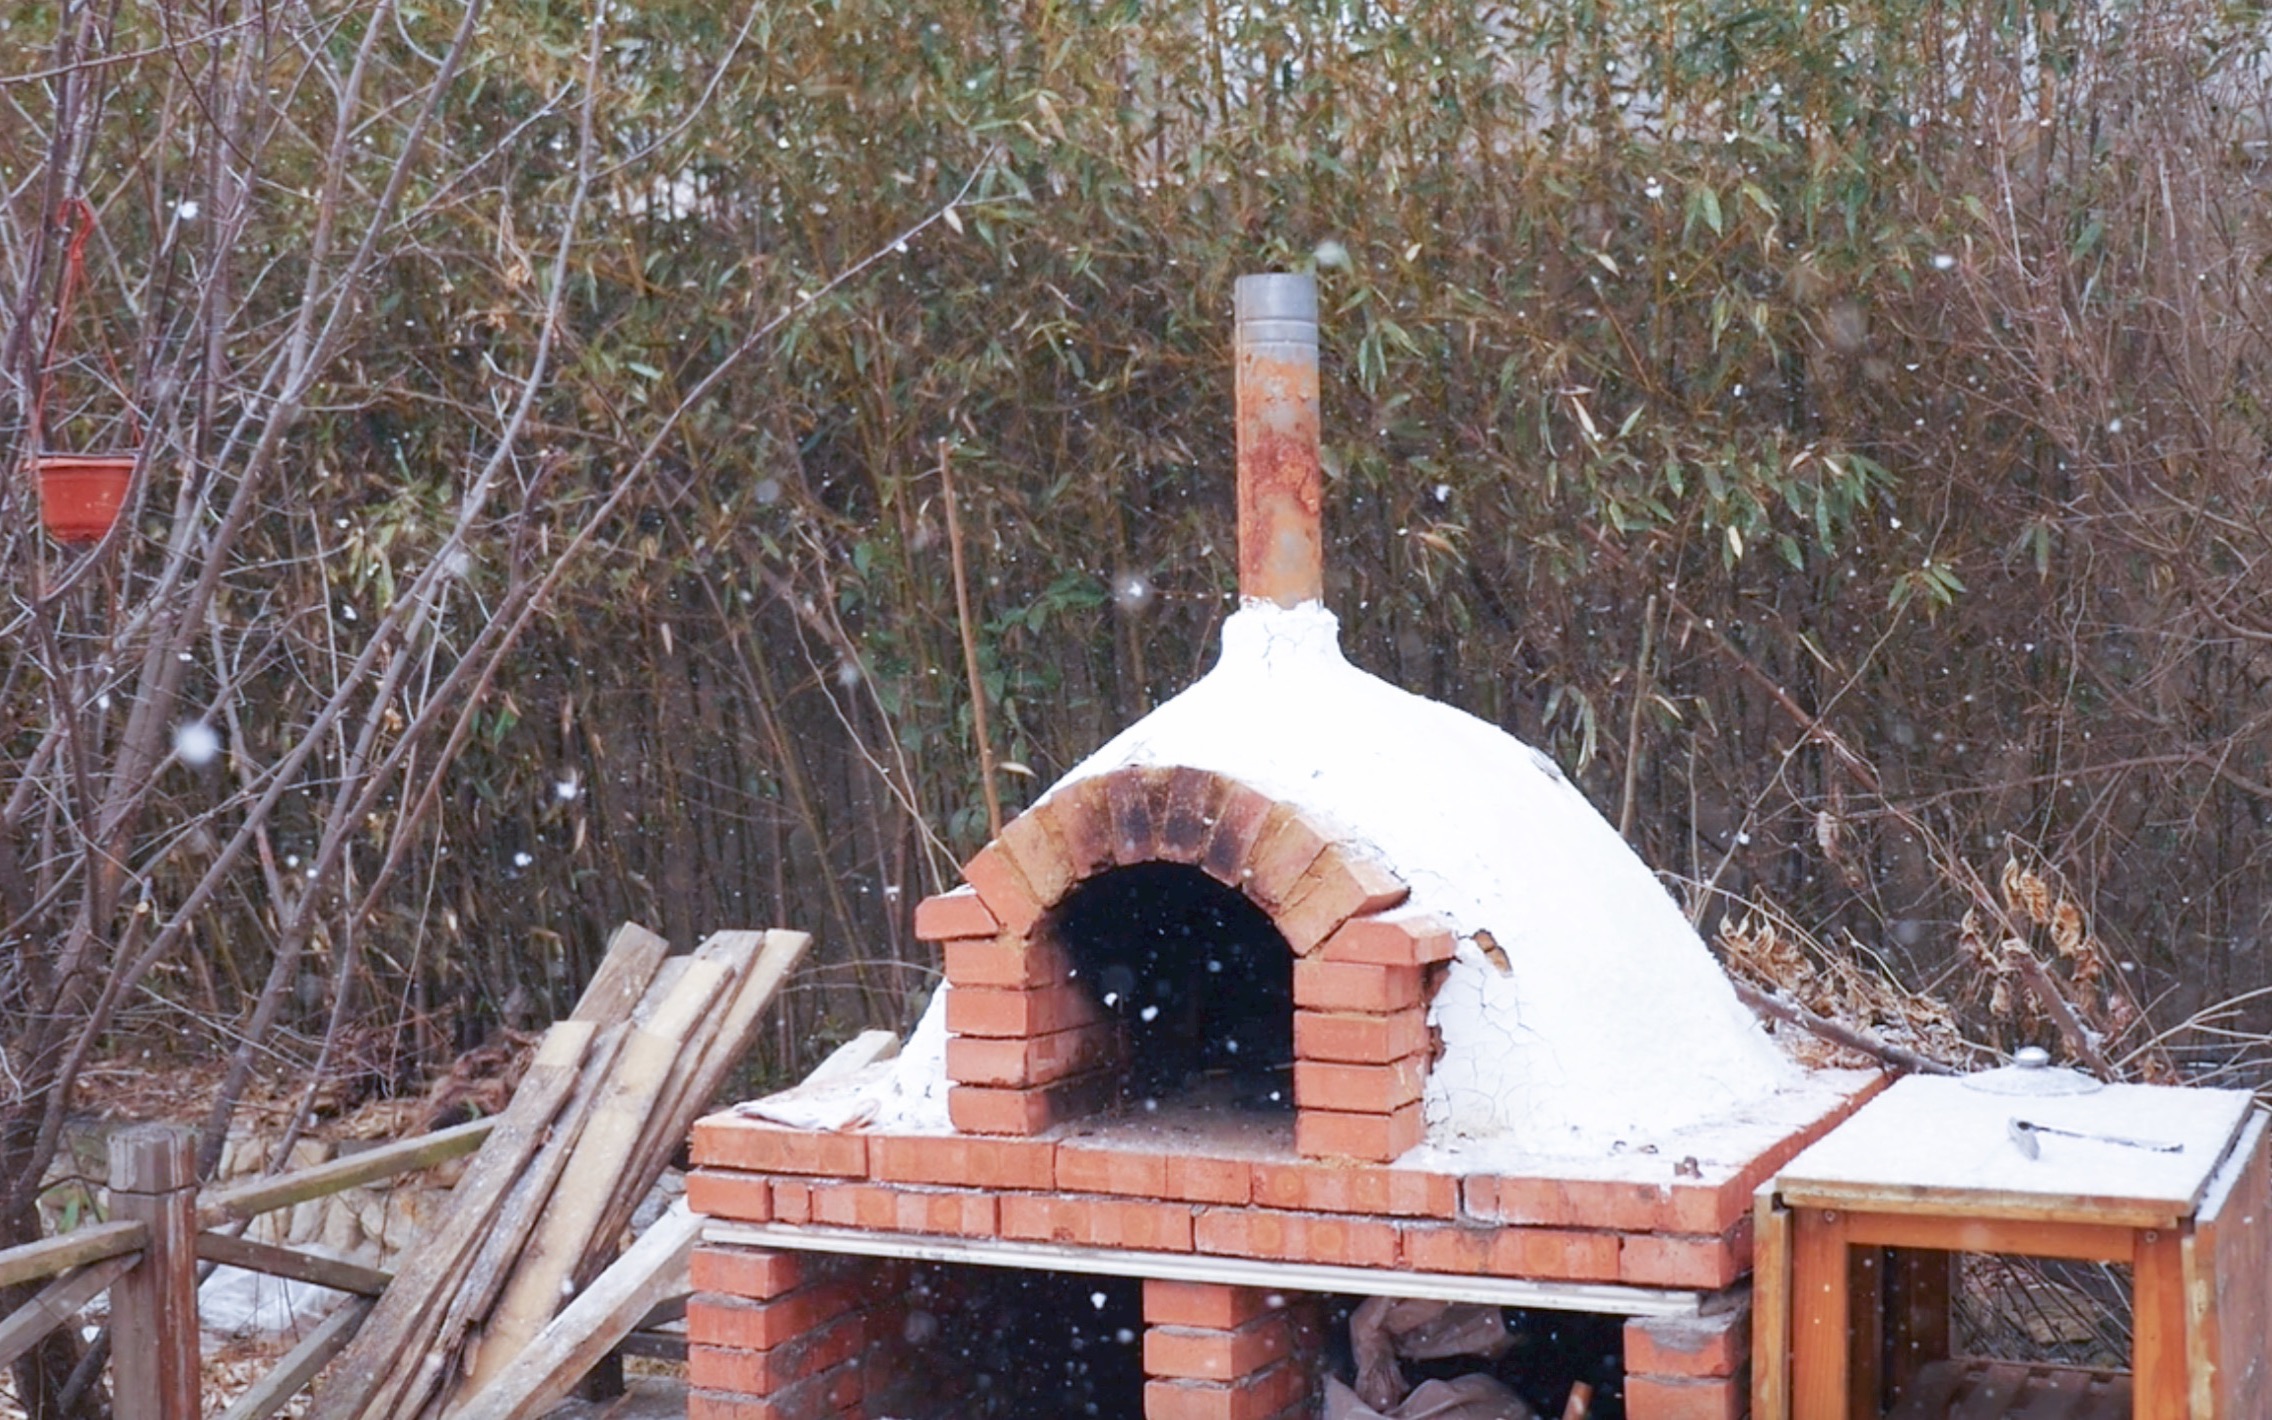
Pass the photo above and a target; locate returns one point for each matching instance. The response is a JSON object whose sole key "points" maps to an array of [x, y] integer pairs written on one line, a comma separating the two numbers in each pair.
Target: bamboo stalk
{"points": [[969, 646]]}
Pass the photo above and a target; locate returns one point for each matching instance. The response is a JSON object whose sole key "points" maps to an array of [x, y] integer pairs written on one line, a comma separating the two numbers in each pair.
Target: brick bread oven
{"points": [[1302, 987]]}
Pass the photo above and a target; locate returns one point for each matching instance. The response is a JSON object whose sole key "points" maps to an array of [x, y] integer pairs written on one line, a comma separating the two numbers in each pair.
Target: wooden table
{"points": [[1856, 1237]]}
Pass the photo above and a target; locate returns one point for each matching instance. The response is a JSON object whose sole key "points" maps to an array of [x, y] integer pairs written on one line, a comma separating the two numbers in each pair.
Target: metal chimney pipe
{"points": [[1281, 489]]}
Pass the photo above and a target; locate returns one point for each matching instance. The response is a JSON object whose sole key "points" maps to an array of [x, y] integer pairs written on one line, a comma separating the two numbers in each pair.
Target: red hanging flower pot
{"points": [[80, 494]]}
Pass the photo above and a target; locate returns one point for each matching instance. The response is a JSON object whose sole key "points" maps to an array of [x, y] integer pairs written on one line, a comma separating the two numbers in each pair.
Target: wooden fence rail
{"points": [[146, 1257]]}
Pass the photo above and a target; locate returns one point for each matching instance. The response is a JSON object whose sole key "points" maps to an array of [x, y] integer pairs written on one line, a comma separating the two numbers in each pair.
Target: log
{"points": [[296, 1367], [598, 1166], [367, 1381], [55, 1305], [290, 1262], [153, 1180], [547, 1369], [517, 1216], [250, 1199], [77, 1248]]}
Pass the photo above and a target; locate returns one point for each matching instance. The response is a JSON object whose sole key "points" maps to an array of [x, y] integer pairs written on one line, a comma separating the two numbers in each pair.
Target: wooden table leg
{"points": [[1821, 1309], [2157, 1335]]}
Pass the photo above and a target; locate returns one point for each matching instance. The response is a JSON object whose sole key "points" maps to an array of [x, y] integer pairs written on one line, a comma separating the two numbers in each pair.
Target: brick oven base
{"points": [[792, 1335]]}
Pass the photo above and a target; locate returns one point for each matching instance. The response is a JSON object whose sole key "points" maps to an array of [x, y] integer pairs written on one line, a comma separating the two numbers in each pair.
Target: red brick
{"points": [[1705, 1346], [1374, 1138], [956, 1213], [792, 1201], [1006, 961], [1296, 1237], [739, 1325], [1355, 1188], [1350, 986], [756, 1274], [1082, 815], [1209, 1354], [1556, 1255], [831, 1395], [1570, 1202], [1004, 889], [1239, 821], [1187, 817], [1360, 1038], [742, 1197], [1448, 1248], [948, 915], [765, 1372], [1409, 938], [1003, 1013], [1338, 886], [1677, 1260], [1030, 1060], [1283, 851], [1206, 1304], [1654, 1398], [1359, 1089], [976, 1109], [1141, 1226], [1032, 843], [955, 1159], [728, 1141], [1198, 1179], [1255, 1398], [1136, 798], [1086, 1169]]}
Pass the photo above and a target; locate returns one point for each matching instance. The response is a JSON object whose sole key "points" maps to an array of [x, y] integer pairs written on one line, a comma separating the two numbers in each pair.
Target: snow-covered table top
{"points": [[1945, 1145]]}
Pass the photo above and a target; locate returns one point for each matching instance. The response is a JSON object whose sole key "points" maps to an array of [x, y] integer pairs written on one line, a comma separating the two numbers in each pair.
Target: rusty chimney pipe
{"points": [[1281, 543]]}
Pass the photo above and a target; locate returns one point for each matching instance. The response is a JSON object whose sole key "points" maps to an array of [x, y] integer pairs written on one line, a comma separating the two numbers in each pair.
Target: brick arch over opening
{"points": [[1030, 1047]]}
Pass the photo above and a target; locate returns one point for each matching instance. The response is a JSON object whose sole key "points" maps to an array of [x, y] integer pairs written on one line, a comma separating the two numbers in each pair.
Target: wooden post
{"points": [[153, 1308]]}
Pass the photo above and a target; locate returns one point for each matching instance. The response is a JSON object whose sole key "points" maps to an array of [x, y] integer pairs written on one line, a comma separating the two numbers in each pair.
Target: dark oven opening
{"points": [[1198, 981]]}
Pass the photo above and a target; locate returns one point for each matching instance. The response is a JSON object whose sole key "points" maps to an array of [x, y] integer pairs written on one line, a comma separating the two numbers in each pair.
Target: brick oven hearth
{"points": [[1300, 989]]}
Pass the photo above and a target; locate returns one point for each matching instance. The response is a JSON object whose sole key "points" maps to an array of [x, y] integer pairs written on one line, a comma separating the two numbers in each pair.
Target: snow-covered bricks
{"points": [[1033, 1046]]}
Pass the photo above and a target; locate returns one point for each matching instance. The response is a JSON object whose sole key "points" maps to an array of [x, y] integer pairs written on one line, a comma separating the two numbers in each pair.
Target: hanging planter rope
{"points": [[79, 494]]}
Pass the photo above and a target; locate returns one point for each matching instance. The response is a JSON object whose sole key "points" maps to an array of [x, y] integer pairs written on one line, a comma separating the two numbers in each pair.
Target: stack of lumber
{"points": [[519, 1290]]}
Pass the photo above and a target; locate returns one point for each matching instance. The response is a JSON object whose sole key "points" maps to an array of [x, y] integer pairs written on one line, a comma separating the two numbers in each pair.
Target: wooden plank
{"points": [[625, 972], [557, 1357], [2053, 1395], [1821, 1298], [50, 1256], [1865, 1326], [56, 1305], [855, 1055], [492, 1263], [2228, 1285], [2080, 1241], [1770, 1307], [153, 1179], [1989, 1392], [1930, 1392], [1918, 1286], [365, 1381], [300, 1266], [2157, 1325], [572, 1217], [254, 1197], [2085, 1209], [296, 1367]]}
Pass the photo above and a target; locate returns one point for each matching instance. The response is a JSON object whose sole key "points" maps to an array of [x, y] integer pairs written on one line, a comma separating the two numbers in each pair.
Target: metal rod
{"points": [[1281, 486], [1603, 1299]]}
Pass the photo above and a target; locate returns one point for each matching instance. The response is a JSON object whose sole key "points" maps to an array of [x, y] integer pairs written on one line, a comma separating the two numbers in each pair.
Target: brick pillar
{"points": [[1689, 1368], [1361, 1041], [783, 1335], [1227, 1353]]}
